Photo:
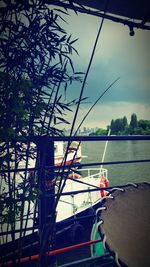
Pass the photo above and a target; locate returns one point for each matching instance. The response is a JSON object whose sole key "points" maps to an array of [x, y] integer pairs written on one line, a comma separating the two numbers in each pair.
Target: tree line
{"points": [[121, 126]]}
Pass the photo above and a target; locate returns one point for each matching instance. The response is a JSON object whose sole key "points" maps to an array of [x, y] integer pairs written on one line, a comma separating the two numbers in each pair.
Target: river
{"points": [[120, 151]]}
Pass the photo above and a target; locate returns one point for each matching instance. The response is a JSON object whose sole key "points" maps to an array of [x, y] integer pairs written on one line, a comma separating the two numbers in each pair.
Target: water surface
{"points": [[121, 151]]}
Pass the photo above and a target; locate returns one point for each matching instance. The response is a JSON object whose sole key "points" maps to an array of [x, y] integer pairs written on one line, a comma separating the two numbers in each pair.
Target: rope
{"points": [[117, 259], [104, 242], [119, 189]]}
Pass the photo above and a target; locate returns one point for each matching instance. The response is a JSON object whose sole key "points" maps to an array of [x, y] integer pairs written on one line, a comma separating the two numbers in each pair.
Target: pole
{"points": [[46, 212], [105, 148]]}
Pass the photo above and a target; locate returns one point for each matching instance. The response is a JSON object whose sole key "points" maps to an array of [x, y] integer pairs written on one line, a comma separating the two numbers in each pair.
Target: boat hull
{"points": [[76, 214], [68, 232]]}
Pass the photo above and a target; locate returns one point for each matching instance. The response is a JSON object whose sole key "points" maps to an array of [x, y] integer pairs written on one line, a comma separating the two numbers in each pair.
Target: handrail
{"points": [[91, 190], [93, 138], [50, 253], [78, 165], [86, 138]]}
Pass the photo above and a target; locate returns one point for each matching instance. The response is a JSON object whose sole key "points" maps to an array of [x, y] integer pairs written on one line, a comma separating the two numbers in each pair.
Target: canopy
{"points": [[132, 13], [132, 9]]}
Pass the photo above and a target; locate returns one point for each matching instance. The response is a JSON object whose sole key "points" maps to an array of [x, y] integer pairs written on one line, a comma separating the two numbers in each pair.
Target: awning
{"points": [[132, 13]]}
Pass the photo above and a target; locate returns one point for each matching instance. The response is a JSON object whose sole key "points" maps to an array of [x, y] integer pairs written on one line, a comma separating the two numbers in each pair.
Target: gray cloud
{"points": [[117, 54]]}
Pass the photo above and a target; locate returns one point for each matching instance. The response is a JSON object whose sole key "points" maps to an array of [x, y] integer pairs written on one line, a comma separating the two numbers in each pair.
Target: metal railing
{"points": [[49, 166]]}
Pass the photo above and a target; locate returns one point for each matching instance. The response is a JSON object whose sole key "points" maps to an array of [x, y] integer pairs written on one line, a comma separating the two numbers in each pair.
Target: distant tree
{"points": [[133, 123], [121, 127], [143, 124], [108, 127], [117, 126], [112, 126], [100, 131], [125, 122]]}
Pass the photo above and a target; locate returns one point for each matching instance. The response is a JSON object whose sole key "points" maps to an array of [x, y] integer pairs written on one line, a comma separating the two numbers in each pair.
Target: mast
{"points": [[105, 148]]}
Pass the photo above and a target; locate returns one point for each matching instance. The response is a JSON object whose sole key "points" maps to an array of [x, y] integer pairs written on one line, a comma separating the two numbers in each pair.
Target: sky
{"points": [[117, 55]]}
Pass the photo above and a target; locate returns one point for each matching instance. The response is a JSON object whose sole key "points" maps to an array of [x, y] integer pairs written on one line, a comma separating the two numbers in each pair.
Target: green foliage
{"points": [[135, 127], [121, 127], [100, 131], [133, 124], [34, 61], [35, 69]]}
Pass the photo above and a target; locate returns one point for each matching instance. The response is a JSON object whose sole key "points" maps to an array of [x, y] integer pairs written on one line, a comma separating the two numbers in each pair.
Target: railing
{"points": [[49, 166], [93, 172]]}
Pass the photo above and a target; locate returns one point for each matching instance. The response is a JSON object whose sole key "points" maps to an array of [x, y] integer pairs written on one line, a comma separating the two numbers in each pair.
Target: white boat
{"points": [[81, 179], [78, 202], [73, 156], [75, 203], [73, 153], [73, 213]]}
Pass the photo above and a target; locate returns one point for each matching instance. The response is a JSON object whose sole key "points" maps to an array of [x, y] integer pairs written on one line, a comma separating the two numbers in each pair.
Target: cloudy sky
{"points": [[117, 55]]}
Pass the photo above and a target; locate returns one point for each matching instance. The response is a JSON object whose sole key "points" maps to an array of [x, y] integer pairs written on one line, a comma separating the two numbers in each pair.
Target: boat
{"points": [[75, 212], [83, 191], [81, 196], [73, 153], [85, 179], [71, 205]]}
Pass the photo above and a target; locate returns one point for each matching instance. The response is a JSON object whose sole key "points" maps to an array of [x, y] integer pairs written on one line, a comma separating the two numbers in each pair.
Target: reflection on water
{"points": [[121, 151]]}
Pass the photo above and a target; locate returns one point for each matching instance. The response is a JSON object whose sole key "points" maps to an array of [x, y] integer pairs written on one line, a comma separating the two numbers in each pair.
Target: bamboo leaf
{"points": [[74, 41]]}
